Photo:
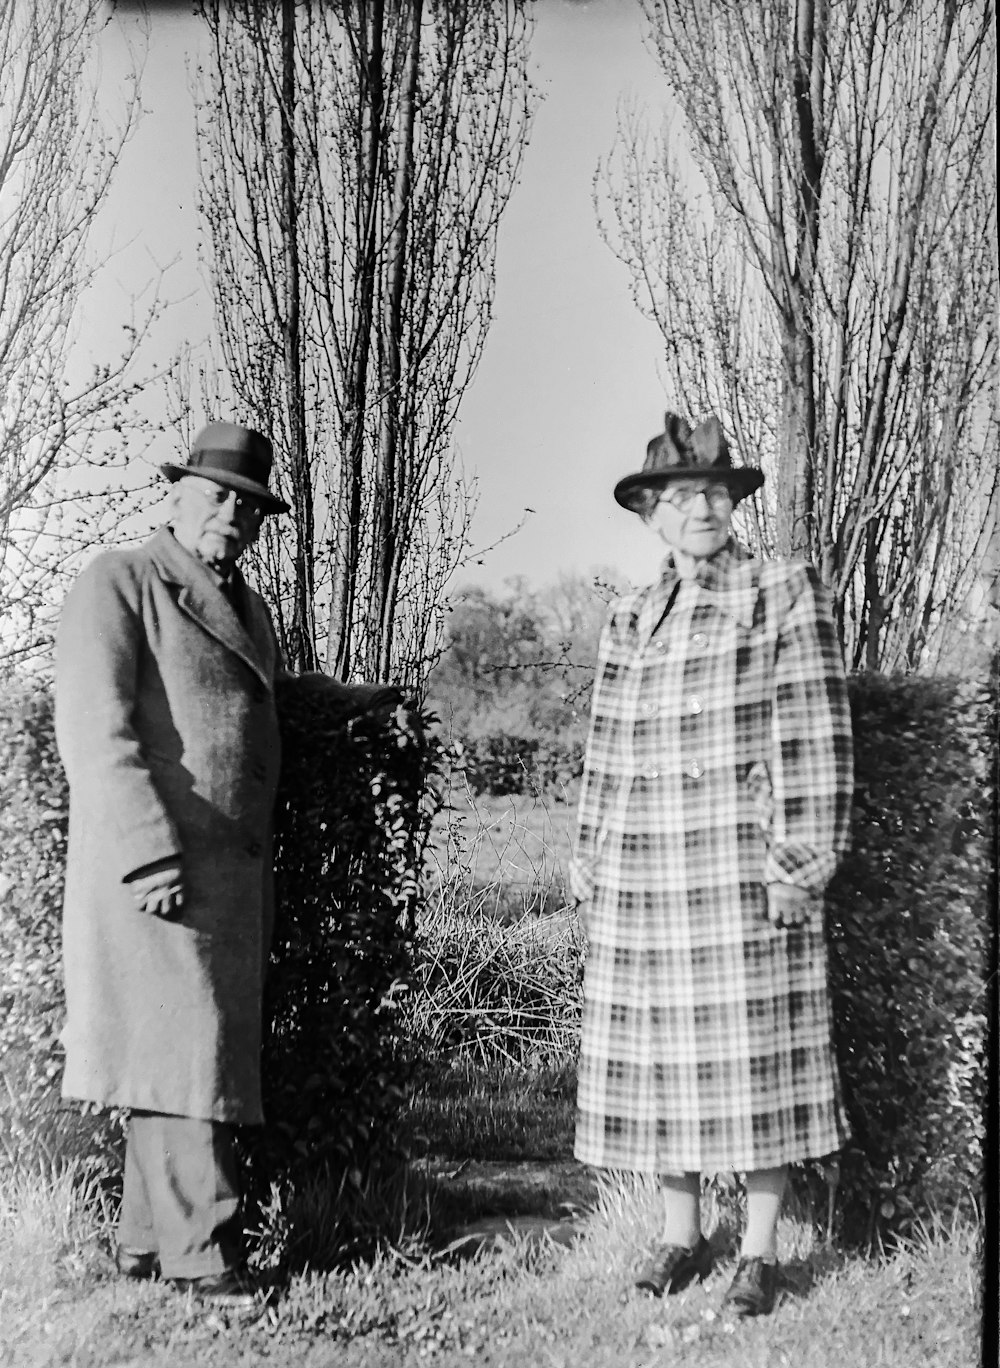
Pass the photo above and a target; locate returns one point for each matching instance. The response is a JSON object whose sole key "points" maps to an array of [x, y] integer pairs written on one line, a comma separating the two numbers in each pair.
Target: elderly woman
{"points": [[715, 802]]}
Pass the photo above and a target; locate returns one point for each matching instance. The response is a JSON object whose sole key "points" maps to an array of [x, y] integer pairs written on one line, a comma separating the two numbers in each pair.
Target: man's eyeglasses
{"points": [[245, 507], [683, 496]]}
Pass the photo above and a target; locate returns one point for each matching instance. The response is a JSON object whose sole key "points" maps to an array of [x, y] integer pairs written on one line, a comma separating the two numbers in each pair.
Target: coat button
{"points": [[649, 709], [695, 704], [254, 848], [694, 769], [660, 647], [700, 640], [650, 772]]}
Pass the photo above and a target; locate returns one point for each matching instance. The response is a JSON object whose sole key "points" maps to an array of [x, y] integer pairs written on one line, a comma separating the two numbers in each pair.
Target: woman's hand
{"points": [[159, 889], [582, 909], [788, 905]]}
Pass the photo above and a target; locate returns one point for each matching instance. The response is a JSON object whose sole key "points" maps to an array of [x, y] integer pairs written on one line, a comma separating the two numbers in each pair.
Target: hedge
{"points": [[911, 918], [352, 815]]}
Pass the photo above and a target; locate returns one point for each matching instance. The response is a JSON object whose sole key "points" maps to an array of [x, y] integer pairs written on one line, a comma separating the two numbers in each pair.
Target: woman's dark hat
{"points": [[680, 453], [235, 457]]}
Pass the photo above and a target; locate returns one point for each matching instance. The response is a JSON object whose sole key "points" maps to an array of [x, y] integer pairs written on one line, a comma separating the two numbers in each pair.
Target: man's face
{"points": [[214, 523]]}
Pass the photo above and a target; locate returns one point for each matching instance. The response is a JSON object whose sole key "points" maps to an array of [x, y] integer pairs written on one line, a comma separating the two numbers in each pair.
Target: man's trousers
{"points": [[181, 1195]]}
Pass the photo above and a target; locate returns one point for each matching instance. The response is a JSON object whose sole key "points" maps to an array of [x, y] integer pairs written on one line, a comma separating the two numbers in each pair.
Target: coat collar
{"points": [[201, 599], [730, 580]]}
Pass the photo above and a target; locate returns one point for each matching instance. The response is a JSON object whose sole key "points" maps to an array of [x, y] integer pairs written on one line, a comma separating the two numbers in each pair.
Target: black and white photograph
{"points": [[499, 660]]}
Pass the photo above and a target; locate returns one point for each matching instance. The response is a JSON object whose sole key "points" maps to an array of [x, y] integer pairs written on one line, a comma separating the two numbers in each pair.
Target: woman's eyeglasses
{"points": [[683, 496]]}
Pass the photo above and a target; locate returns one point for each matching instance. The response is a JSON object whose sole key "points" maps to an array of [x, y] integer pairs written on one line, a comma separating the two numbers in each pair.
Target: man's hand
{"points": [[788, 905], [159, 889]]}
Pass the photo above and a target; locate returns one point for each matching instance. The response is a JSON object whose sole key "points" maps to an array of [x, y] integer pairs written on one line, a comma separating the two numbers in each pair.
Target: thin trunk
{"points": [[889, 354], [347, 552], [388, 484], [798, 447], [302, 645]]}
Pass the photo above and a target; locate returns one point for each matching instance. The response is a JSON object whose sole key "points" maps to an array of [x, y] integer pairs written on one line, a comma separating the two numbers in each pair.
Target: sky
{"points": [[567, 393]]}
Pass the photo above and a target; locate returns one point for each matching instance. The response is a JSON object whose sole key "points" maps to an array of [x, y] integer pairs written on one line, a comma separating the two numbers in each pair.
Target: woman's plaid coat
{"points": [[719, 760]]}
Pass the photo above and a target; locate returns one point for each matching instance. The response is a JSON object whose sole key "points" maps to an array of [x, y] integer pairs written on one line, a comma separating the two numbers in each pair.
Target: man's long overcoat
{"points": [[719, 760], [166, 723]]}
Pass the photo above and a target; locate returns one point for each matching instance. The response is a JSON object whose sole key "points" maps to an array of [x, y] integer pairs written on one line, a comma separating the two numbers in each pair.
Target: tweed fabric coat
{"points": [[719, 760], [166, 724]]}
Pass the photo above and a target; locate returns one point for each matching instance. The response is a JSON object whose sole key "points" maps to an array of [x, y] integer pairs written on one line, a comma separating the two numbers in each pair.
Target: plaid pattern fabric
{"points": [[719, 759]]}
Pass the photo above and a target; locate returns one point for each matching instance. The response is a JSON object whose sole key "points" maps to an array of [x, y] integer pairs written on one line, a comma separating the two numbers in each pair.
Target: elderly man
{"points": [[166, 723]]}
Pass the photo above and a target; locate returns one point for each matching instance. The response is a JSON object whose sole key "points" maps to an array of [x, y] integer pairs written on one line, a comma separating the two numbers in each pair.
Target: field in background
{"points": [[512, 850]]}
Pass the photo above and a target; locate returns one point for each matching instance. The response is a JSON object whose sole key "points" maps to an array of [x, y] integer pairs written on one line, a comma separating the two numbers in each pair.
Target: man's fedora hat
{"points": [[683, 453], [233, 456]]}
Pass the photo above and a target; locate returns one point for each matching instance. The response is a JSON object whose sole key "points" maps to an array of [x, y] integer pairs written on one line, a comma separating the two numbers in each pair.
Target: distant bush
{"points": [[498, 764]]}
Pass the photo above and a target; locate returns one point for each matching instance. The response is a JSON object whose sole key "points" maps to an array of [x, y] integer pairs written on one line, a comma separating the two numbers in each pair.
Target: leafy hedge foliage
{"points": [[34, 812], [351, 820], [911, 922]]}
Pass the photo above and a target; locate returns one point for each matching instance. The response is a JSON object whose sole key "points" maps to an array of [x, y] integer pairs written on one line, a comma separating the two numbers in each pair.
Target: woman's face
{"points": [[693, 517]]}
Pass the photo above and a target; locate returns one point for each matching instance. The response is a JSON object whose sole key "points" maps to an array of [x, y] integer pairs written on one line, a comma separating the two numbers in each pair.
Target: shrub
{"points": [[33, 818], [352, 816], [909, 926]]}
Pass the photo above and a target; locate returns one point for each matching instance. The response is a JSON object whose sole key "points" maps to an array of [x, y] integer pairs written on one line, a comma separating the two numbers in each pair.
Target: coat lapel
{"points": [[200, 599]]}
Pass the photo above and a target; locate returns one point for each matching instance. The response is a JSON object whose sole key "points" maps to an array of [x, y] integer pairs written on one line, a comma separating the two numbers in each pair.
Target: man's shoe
{"points": [[230, 1290], [671, 1267], [753, 1289], [133, 1263]]}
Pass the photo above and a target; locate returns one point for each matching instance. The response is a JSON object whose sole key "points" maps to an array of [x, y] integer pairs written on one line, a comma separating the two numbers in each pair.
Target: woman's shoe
{"points": [[671, 1267], [753, 1289]]}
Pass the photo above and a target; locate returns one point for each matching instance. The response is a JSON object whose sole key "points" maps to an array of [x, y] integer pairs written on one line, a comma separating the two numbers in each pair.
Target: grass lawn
{"points": [[61, 1302], [513, 849], [494, 975]]}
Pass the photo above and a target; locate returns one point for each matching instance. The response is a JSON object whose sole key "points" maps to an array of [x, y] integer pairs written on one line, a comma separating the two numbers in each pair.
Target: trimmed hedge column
{"points": [[912, 920], [352, 819]]}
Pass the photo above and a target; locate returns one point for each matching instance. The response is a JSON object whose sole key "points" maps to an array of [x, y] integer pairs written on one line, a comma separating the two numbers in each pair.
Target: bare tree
{"points": [[814, 234], [356, 159], [56, 165]]}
